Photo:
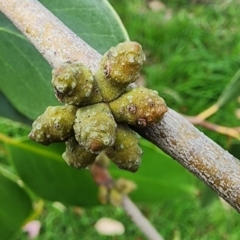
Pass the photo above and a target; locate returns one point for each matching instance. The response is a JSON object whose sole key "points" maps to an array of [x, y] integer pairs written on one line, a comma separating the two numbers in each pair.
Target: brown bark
{"points": [[174, 134], [177, 137]]}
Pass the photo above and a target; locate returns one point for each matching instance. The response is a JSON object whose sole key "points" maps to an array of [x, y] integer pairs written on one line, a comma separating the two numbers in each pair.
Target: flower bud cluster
{"points": [[99, 108]]}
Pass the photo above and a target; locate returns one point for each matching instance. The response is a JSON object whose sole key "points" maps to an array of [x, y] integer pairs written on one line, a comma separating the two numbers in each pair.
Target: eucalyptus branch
{"points": [[48, 34], [173, 134]]}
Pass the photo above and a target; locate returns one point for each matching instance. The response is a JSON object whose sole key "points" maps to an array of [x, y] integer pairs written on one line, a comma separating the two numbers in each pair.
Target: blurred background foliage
{"points": [[192, 50]]}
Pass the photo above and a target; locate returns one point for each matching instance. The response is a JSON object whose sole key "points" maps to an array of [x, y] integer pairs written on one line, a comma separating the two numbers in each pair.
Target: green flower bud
{"points": [[95, 127], [124, 186], [114, 195], [125, 152], [119, 67], [75, 84], [76, 156], [139, 107], [54, 125]]}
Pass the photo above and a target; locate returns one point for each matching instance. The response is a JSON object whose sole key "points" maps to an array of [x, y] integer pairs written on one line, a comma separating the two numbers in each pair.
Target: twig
{"points": [[208, 112], [102, 177], [231, 132], [174, 134], [141, 221]]}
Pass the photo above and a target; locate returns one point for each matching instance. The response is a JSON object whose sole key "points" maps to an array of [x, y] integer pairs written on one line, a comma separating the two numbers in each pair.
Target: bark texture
{"points": [[57, 43], [177, 137], [173, 134]]}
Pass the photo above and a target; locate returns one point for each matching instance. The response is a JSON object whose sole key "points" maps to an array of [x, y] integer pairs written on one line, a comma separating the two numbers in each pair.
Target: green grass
{"points": [[175, 218]]}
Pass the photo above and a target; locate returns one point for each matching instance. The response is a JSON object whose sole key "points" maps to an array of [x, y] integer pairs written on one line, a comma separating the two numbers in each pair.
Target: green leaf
{"points": [[44, 171], [26, 77], [15, 207], [8, 111], [159, 177], [95, 21]]}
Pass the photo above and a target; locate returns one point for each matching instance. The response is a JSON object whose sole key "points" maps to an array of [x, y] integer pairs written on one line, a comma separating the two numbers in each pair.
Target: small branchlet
{"points": [[113, 195], [88, 122]]}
